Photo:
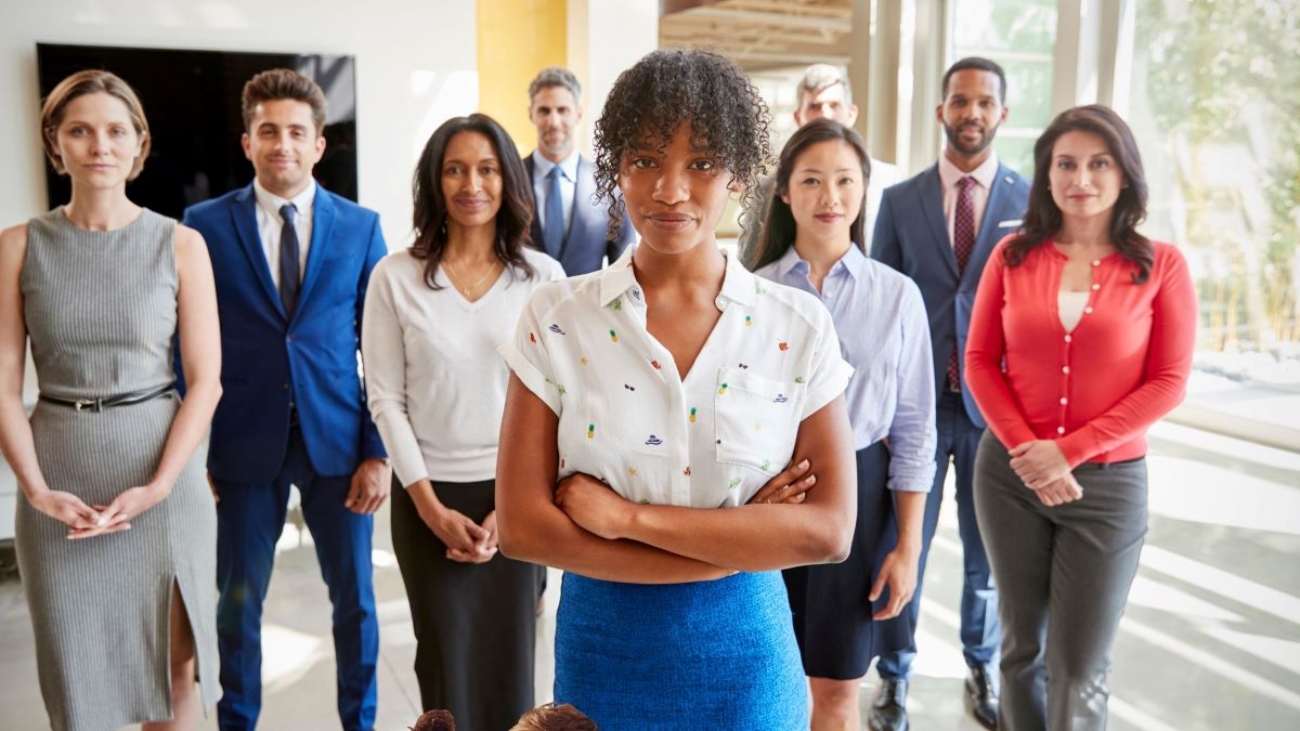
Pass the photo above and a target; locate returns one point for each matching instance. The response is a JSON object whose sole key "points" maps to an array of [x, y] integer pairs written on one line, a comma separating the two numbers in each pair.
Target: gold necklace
{"points": [[456, 279]]}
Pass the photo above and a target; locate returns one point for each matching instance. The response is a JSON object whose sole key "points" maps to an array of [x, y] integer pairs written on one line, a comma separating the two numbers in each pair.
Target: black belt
{"points": [[99, 404]]}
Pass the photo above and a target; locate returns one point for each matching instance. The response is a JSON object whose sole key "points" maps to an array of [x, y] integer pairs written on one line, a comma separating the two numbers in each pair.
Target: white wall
{"points": [[415, 68]]}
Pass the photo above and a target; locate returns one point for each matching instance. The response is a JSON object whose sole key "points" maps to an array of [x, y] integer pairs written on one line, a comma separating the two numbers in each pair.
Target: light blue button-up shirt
{"points": [[885, 336]]}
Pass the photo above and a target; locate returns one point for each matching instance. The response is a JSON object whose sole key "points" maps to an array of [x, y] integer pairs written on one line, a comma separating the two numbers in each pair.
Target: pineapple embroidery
{"points": [[591, 431], [692, 416], [722, 390], [735, 482], [749, 321], [613, 336]]}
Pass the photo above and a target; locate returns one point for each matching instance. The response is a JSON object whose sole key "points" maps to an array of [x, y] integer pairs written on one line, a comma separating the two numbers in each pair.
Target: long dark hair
{"points": [[1043, 217], [513, 219], [778, 232]]}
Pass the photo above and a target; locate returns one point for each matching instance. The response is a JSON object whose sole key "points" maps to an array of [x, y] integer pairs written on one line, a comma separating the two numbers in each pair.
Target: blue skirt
{"points": [[712, 654]]}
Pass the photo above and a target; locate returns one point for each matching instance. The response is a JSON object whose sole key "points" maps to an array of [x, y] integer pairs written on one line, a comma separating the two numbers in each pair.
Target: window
{"points": [[1216, 117], [1020, 36]]}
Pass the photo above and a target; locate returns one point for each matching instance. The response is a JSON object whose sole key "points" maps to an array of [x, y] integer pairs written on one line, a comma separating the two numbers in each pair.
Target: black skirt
{"points": [[829, 602], [474, 623]]}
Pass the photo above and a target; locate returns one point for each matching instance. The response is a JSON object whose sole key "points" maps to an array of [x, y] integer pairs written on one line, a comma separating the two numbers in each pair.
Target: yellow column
{"points": [[516, 39]]}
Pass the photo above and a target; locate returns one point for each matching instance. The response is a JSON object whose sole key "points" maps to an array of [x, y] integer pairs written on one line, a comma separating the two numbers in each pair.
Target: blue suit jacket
{"points": [[587, 239], [912, 236], [269, 361]]}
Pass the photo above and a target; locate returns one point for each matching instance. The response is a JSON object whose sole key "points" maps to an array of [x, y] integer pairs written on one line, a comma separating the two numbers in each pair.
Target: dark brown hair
{"points": [[975, 63], [778, 232], [283, 84], [513, 218], [92, 82], [435, 720], [1043, 216], [663, 91], [552, 717]]}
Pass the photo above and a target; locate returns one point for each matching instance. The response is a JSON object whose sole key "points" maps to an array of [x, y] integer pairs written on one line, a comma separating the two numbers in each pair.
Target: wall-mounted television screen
{"points": [[192, 102]]}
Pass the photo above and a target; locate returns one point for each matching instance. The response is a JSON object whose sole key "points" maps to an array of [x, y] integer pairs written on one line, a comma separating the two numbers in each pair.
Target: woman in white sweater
{"points": [[434, 317]]}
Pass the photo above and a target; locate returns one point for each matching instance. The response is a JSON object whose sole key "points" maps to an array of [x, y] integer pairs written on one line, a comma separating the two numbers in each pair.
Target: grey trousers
{"points": [[1063, 575]]}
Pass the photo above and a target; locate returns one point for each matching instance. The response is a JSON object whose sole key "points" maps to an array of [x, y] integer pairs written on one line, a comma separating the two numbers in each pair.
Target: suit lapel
{"points": [[583, 190], [243, 214], [930, 194], [994, 213], [322, 236]]}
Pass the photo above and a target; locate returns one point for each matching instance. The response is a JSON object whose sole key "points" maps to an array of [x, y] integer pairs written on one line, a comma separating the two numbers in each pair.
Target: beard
{"points": [[955, 141]]}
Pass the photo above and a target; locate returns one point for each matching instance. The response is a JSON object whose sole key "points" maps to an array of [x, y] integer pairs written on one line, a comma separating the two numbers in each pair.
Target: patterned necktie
{"points": [[963, 243], [553, 228], [289, 277]]}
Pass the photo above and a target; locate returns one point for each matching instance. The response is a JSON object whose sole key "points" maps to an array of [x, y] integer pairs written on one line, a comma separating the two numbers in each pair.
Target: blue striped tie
{"points": [[553, 228]]}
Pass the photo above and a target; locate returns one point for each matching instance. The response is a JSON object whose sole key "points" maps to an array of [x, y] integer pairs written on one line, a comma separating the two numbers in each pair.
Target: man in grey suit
{"points": [[567, 223], [939, 229]]}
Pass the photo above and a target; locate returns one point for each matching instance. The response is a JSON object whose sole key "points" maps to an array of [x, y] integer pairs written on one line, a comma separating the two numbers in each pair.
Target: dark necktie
{"points": [[553, 230], [963, 243], [289, 277]]}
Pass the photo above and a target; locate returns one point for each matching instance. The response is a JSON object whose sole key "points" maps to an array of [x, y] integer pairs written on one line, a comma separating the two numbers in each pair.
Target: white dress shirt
{"points": [[950, 175], [435, 383], [627, 418], [568, 185], [270, 224]]}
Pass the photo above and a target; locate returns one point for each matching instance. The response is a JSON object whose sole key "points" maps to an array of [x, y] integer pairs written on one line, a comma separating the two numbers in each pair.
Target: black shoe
{"points": [[889, 710], [982, 696]]}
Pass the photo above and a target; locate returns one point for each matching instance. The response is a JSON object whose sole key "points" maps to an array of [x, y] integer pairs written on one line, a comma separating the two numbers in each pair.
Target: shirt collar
{"points": [[949, 173], [851, 262], [272, 203], [738, 284], [568, 166]]}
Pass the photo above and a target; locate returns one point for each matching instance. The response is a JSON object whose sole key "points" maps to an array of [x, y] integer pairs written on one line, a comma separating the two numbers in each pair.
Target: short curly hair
{"points": [[668, 88]]}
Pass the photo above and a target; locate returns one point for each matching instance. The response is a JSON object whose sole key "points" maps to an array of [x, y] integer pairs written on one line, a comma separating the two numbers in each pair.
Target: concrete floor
{"points": [[1211, 638]]}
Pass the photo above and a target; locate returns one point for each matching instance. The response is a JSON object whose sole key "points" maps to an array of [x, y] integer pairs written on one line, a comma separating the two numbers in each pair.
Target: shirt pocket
{"points": [[756, 419]]}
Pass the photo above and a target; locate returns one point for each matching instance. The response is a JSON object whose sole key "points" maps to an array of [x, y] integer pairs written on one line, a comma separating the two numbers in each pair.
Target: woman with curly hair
{"points": [[651, 416], [1081, 338], [434, 316]]}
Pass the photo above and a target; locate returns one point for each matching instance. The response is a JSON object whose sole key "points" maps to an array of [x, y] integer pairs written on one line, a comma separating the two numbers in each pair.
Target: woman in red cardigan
{"points": [[1080, 339]]}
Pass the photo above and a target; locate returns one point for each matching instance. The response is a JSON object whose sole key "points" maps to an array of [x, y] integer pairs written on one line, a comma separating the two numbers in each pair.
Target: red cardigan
{"points": [[1096, 389]]}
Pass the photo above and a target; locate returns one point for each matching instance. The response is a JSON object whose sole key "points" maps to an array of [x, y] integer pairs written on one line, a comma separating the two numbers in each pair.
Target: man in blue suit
{"points": [[939, 229], [567, 224], [292, 261]]}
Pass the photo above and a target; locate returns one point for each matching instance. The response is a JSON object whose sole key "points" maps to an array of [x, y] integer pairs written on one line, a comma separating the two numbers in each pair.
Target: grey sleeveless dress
{"points": [[100, 309]]}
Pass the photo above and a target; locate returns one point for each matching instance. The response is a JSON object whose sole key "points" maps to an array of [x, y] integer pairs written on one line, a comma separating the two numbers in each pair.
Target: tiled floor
{"points": [[1211, 639]]}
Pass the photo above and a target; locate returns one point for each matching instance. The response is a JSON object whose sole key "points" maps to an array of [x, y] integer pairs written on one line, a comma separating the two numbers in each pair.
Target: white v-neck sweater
{"points": [[435, 383]]}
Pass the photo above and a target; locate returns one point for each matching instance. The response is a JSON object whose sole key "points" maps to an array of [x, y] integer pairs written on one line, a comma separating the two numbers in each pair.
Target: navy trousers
{"points": [[958, 442], [250, 518]]}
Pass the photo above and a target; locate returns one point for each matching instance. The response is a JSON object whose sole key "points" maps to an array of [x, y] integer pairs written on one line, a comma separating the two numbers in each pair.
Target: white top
{"points": [[950, 175], [1070, 305], [626, 418], [568, 185], [436, 385], [270, 224]]}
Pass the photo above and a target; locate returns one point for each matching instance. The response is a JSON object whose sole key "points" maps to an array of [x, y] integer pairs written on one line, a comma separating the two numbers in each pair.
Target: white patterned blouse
{"points": [[626, 418]]}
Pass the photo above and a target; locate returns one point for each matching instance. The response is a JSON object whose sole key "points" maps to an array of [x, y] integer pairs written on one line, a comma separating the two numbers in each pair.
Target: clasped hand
{"points": [[84, 521], [596, 508]]}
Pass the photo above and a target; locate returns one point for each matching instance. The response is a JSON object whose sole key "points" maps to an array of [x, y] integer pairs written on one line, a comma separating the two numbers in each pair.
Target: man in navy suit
{"points": [[292, 261], [939, 228], [568, 224]]}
